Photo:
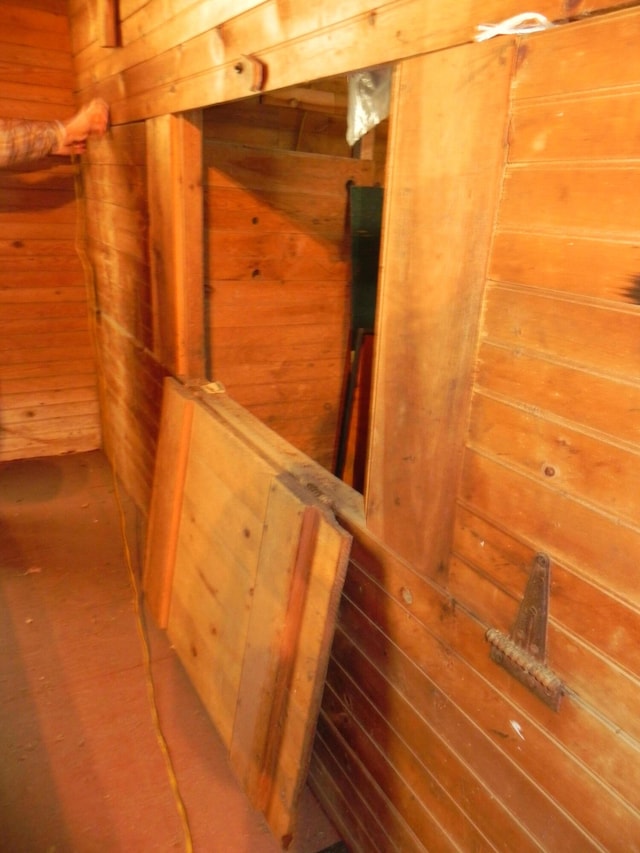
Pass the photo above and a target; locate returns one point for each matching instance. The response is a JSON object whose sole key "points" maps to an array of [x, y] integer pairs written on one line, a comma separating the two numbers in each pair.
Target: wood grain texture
{"points": [[423, 743], [278, 284], [407, 659], [172, 459], [174, 181], [322, 562], [48, 393], [114, 181], [223, 512], [266, 665], [107, 25], [187, 58], [252, 564], [428, 327], [553, 432]]}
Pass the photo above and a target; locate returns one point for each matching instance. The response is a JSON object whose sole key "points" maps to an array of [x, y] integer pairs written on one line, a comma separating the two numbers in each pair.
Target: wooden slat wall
{"points": [[558, 367], [184, 55], [423, 742], [553, 453], [116, 235], [48, 399], [278, 285], [286, 121]]}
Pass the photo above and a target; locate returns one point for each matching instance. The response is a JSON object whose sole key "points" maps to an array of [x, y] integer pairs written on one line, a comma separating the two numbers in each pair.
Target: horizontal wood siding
{"points": [[48, 397], [278, 291], [423, 742], [116, 235], [552, 459], [185, 55]]}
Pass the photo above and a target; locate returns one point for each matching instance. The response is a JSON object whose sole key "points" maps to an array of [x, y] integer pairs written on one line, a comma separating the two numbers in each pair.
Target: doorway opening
{"points": [[290, 229]]}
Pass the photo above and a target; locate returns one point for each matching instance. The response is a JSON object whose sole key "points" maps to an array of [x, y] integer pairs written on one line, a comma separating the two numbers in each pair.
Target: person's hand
{"points": [[91, 120]]}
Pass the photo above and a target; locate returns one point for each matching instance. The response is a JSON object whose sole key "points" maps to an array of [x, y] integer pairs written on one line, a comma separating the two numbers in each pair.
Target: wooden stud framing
{"points": [[176, 241], [172, 458], [107, 23], [428, 325]]}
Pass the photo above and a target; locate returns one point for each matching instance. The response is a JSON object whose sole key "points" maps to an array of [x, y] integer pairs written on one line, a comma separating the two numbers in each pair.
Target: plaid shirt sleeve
{"points": [[21, 141]]}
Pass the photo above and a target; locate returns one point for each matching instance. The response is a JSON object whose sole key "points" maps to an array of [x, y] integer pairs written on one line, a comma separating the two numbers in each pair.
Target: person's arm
{"points": [[23, 141], [91, 120]]}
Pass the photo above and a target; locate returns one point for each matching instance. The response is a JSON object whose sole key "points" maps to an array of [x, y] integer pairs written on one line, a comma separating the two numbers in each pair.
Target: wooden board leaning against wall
{"points": [[245, 566]]}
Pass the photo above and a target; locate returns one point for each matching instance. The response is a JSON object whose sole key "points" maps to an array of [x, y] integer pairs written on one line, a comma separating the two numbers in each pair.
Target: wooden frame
{"points": [[174, 177]]}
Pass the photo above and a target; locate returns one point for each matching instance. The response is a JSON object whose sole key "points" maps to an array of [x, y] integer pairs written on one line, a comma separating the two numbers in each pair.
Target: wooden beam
{"points": [[172, 458], [107, 23], [313, 100], [436, 236], [174, 175], [192, 59]]}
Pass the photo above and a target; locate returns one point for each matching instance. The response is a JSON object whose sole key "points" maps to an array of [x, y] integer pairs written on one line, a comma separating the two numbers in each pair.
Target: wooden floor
{"points": [[81, 768]]}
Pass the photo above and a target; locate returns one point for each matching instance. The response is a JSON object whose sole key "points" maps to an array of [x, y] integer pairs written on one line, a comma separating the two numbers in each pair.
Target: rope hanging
{"points": [[523, 24]]}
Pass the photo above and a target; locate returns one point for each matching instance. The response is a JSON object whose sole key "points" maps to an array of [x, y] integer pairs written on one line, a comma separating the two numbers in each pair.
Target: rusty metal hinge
{"points": [[523, 652]]}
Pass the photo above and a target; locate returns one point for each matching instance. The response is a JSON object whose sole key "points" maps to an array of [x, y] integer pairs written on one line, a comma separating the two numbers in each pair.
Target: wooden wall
{"points": [[553, 451], [538, 452], [192, 54], [48, 400], [504, 400], [117, 250]]}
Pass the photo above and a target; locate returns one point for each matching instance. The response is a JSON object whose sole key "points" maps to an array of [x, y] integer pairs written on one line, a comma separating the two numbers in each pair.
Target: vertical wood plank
{"points": [[107, 23], [174, 174], [222, 524], [324, 554], [446, 156], [166, 500], [189, 217], [264, 665]]}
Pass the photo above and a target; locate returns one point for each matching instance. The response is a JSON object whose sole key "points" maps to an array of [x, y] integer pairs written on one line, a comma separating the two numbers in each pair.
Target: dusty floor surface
{"points": [[81, 769]]}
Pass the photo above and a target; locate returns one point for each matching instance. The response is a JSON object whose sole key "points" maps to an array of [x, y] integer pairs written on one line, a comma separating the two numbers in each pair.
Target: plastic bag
{"points": [[368, 101]]}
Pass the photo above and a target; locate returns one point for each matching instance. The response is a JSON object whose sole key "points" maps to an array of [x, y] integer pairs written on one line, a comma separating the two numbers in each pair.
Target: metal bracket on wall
{"points": [[523, 652]]}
